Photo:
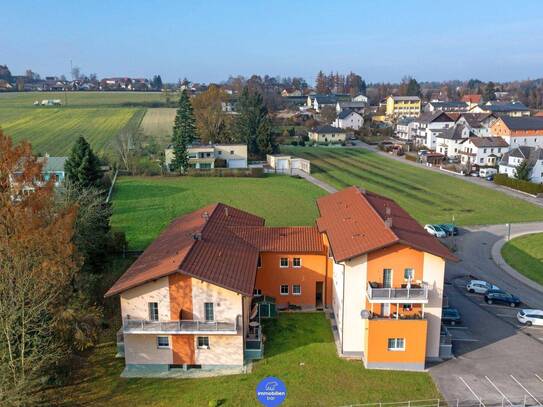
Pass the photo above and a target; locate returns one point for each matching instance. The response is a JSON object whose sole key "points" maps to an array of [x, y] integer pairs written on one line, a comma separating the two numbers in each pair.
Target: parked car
{"points": [[501, 297], [422, 152], [530, 317], [435, 230], [490, 178], [450, 316], [486, 172], [449, 228], [480, 286]]}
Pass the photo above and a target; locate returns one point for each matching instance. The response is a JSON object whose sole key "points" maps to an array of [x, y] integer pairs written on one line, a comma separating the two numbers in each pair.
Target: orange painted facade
{"points": [[183, 349], [499, 128], [312, 274], [379, 331], [180, 289]]}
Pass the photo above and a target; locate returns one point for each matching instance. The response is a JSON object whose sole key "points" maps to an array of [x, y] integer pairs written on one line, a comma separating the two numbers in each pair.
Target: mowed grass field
{"points": [[144, 206], [54, 130], [158, 123], [300, 350], [428, 196], [525, 254]]}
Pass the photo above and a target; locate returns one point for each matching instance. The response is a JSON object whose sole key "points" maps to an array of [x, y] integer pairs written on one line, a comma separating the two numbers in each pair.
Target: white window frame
{"points": [[151, 310], [212, 311], [412, 273], [396, 342], [208, 346], [281, 262], [281, 289], [300, 289], [295, 266], [159, 346]]}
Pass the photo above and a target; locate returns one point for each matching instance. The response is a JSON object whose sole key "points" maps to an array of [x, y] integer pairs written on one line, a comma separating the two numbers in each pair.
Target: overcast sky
{"points": [[210, 40]]}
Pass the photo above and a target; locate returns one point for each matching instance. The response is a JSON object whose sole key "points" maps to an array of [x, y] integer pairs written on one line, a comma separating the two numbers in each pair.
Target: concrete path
{"points": [[321, 184], [474, 180]]}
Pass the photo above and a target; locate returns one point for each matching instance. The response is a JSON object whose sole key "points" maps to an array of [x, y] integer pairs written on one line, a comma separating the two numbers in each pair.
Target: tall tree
{"points": [[83, 167], [321, 83], [37, 263], [211, 121], [184, 132], [490, 91], [253, 125], [413, 88], [156, 82], [523, 171]]}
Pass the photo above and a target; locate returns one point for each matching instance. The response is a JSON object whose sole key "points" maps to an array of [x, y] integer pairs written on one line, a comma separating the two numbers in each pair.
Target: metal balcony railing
{"points": [[145, 326], [407, 294]]}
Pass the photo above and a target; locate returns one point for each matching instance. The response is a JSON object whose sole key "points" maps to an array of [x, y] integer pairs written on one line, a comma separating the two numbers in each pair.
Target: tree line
{"points": [[351, 83]]}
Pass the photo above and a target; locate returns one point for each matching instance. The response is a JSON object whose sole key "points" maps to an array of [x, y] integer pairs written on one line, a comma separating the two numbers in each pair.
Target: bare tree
{"points": [[128, 146]]}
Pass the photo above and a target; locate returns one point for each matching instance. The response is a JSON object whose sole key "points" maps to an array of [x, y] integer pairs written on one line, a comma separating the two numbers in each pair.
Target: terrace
{"points": [[415, 294]]}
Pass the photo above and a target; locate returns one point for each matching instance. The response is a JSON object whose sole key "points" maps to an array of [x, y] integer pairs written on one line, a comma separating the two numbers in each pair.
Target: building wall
{"points": [[270, 276], [183, 349], [338, 296], [327, 137], [140, 349], [398, 258], [134, 302], [517, 138], [434, 274], [227, 304], [223, 350], [354, 303], [180, 289]]}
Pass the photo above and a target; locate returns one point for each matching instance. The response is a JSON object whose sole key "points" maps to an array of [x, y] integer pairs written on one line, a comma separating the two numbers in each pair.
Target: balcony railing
{"points": [[404, 295], [134, 326]]}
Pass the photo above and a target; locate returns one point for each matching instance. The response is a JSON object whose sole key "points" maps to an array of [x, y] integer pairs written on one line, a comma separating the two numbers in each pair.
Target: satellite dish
{"points": [[365, 314]]}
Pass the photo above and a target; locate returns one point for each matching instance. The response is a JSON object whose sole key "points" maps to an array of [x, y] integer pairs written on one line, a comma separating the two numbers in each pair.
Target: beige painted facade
{"points": [[433, 275], [142, 349], [135, 302], [235, 155], [332, 137], [223, 350], [227, 305]]}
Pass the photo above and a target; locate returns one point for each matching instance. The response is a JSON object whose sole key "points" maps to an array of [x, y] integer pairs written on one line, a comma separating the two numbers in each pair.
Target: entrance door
{"points": [[319, 289], [387, 278]]}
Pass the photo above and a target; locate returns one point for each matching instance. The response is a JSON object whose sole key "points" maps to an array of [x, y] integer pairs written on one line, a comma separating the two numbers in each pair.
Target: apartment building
{"points": [[187, 303], [402, 106], [519, 131]]}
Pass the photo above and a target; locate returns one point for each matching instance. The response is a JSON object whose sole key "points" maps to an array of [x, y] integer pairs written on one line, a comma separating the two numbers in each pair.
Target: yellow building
{"points": [[403, 106]]}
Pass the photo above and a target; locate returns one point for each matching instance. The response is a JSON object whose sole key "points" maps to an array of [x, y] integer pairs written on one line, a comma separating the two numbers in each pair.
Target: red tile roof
{"points": [[472, 98], [201, 245], [358, 222], [296, 239]]}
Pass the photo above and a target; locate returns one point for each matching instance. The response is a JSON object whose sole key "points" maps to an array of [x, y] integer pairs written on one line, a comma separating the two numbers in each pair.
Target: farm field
{"points": [[54, 130], [525, 254], [82, 99], [300, 350], [428, 196], [143, 206], [158, 123]]}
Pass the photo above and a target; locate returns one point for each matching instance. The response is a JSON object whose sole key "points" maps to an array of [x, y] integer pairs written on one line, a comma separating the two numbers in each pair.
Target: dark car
{"points": [[501, 297], [450, 316], [449, 228]]}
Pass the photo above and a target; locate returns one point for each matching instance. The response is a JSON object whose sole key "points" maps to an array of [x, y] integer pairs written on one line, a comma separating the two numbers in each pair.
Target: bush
{"points": [[294, 143], [411, 157], [147, 166], [520, 185]]}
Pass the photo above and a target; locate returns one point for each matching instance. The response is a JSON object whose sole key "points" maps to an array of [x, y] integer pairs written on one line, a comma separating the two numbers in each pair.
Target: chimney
{"points": [[205, 215], [388, 222], [226, 211], [197, 236], [388, 217]]}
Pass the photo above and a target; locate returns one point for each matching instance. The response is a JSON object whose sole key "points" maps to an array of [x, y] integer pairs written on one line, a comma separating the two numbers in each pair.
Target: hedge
{"points": [[226, 172], [524, 186]]}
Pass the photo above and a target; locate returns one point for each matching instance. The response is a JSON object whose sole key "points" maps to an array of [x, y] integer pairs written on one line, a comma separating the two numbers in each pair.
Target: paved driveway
{"points": [[496, 358]]}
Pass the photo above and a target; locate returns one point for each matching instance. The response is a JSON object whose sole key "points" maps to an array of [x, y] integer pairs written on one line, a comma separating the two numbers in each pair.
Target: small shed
{"points": [[266, 306]]}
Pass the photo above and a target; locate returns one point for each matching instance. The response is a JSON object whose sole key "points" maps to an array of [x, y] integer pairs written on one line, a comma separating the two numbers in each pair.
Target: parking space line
{"points": [[456, 327], [539, 377], [499, 391], [464, 340], [472, 392], [525, 389]]}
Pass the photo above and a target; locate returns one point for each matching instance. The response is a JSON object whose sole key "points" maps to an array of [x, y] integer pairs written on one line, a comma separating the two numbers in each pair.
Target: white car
{"points": [[435, 231], [530, 317], [480, 286]]}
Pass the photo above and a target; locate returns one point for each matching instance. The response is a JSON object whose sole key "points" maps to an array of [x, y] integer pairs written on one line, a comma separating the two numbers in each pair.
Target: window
{"points": [[219, 152], [296, 289], [408, 274], [162, 342], [231, 152], [284, 289], [208, 311], [283, 262], [203, 342], [297, 262], [407, 307], [396, 344], [259, 263], [257, 292], [153, 311]]}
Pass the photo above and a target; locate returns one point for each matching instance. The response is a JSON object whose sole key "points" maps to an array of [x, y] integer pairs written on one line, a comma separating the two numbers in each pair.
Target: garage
{"points": [[281, 164], [237, 163]]}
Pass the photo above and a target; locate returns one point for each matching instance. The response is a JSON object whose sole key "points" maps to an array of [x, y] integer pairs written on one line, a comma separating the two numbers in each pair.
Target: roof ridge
{"points": [[376, 212]]}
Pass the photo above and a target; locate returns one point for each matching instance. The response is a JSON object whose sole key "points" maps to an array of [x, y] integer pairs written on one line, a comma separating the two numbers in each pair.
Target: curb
{"points": [[502, 264]]}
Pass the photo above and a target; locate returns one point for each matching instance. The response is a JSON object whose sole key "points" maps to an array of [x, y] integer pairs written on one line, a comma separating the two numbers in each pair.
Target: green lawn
{"points": [[143, 206], [428, 196], [299, 350], [525, 254], [54, 130]]}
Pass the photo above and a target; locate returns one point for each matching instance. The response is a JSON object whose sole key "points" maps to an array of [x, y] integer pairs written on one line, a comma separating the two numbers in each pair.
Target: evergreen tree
{"points": [[253, 125], [184, 132], [82, 166], [413, 88], [490, 91], [523, 170]]}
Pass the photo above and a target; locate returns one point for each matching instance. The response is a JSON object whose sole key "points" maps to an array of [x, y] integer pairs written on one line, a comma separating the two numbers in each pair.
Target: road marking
{"points": [[457, 327], [539, 377], [525, 389], [472, 392], [499, 391], [465, 340]]}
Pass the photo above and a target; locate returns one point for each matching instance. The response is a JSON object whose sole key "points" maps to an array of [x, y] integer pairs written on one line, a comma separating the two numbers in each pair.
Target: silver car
{"points": [[479, 286], [530, 317]]}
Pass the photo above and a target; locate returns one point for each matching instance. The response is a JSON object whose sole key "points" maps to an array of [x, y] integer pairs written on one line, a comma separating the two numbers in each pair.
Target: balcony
{"points": [[133, 326], [416, 294], [254, 345]]}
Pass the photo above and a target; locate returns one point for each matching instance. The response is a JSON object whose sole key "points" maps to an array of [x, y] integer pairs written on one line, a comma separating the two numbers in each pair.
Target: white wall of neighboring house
{"points": [[337, 296], [480, 155], [528, 141], [514, 162]]}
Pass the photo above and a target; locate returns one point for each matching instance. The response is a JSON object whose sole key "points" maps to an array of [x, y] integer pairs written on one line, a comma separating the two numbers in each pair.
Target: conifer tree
{"points": [[184, 133], [83, 167]]}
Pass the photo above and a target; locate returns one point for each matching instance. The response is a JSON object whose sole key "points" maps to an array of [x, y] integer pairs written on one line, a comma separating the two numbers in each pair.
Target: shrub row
{"points": [[411, 157], [227, 172], [521, 185]]}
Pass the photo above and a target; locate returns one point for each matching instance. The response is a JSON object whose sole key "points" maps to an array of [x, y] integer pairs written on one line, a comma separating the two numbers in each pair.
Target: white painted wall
{"points": [[223, 350], [227, 304], [142, 349], [356, 274], [337, 295], [433, 275], [134, 302]]}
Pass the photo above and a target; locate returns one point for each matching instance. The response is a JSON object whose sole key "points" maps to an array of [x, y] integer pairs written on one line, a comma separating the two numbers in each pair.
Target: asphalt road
{"points": [[497, 359]]}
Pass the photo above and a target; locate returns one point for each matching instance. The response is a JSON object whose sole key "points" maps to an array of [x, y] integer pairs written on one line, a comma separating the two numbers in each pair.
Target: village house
{"points": [[429, 126], [449, 141], [53, 167], [402, 106], [472, 100], [406, 128], [519, 131], [355, 106], [327, 134], [190, 301], [360, 98], [349, 119], [446, 106], [317, 102], [206, 156], [478, 123], [482, 151], [290, 92], [534, 157], [513, 109]]}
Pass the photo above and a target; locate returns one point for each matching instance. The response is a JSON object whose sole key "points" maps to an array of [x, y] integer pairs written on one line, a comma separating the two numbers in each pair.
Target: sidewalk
{"points": [[324, 185]]}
